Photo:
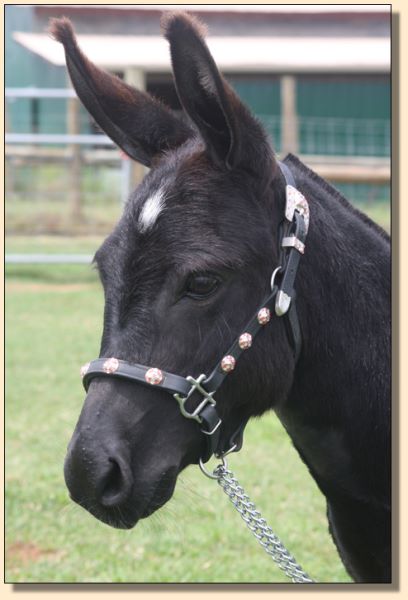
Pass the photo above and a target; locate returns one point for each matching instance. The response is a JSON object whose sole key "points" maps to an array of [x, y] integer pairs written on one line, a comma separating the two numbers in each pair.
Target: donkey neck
{"points": [[338, 404]]}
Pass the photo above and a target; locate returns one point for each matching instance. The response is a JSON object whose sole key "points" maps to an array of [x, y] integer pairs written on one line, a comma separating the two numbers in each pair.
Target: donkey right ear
{"points": [[135, 121], [233, 137]]}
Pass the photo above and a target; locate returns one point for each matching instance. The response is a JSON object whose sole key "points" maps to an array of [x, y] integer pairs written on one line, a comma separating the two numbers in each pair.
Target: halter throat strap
{"points": [[287, 173], [196, 396]]}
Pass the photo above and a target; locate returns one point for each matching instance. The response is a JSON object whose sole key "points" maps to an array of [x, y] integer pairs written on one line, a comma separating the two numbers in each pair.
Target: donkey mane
{"points": [[336, 195]]}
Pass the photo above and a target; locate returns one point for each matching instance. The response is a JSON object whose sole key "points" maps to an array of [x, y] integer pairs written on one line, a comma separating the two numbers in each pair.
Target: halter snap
{"points": [[213, 475]]}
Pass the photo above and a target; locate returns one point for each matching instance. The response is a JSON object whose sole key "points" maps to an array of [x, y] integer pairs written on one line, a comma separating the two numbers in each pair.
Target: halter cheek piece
{"points": [[281, 301]]}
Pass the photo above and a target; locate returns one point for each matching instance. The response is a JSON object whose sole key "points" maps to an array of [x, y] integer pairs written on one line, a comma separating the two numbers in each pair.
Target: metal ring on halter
{"points": [[207, 473], [276, 271]]}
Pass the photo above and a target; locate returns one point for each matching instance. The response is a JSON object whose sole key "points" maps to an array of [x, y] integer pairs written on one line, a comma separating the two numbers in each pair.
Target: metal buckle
{"points": [[208, 399], [282, 303], [293, 242]]}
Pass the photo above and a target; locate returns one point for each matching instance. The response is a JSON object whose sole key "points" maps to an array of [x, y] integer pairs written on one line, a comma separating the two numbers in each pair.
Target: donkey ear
{"points": [[135, 121], [231, 134]]}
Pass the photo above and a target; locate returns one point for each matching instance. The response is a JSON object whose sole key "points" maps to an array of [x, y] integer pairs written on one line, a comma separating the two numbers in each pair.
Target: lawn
{"points": [[54, 317], [38, 199]]}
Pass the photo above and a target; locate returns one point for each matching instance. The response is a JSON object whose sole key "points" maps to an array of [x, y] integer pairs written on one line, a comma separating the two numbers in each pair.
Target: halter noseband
{"points": [[281, 301]]}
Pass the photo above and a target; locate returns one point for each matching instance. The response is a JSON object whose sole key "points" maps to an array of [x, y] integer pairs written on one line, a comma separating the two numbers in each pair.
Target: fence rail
{"points": [[68, 181], [34, 92], [48, 259], [58, 138]]}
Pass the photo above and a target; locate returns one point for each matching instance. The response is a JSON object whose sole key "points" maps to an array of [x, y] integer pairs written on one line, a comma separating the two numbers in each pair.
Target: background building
{"points": [[318, 77]]}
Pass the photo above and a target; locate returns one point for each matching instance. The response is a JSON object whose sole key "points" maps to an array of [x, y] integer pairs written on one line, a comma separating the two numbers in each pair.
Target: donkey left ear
{"points": [[134, 120], [232, 134]]}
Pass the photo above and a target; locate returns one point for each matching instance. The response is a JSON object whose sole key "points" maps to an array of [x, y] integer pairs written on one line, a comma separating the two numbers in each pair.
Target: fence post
{"points": [[290, 140], [9, 181], [74, 186], [135, 171]]}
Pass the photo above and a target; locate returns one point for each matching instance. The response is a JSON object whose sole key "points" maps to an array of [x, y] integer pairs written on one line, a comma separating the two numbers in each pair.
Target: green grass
{"points": [[47, 216], [52, 244], [37, 199], [54, 320]]}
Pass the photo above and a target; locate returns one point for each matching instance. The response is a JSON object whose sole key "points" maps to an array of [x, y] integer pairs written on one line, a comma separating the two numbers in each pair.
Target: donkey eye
{"points": [[201, 285]]}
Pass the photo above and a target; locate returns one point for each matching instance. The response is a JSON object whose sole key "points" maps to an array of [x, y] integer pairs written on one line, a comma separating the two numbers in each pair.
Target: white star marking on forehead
{"points": [[151, 210]]}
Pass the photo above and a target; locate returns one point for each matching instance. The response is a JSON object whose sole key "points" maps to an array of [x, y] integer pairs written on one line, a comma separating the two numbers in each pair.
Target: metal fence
{"points": [[76, 182], [331, 136]]}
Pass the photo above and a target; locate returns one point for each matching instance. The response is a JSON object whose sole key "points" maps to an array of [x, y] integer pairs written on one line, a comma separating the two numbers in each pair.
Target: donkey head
{"points": [[184, 269]]}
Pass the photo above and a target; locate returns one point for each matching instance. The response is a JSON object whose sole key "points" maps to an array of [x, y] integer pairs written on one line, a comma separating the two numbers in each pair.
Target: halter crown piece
{"points": [[281, 301]]}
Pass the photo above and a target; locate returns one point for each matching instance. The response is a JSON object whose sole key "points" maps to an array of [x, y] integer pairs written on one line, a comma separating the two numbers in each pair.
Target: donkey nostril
{"points": [[115, 486]]}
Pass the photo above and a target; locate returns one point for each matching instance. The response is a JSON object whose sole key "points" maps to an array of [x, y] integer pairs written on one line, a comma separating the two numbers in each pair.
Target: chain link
{"points": [[257, 524]]}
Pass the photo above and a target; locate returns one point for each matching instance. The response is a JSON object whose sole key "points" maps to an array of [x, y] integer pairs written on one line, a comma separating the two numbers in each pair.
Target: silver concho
{"points": [[154, 376], [296, 201], [245, 341], [84, 369], [110, 365], [228, 363], [264, 316]]}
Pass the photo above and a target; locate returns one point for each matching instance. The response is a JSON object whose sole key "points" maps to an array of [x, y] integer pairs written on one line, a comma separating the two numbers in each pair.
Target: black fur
{"points": [[224, 200]]}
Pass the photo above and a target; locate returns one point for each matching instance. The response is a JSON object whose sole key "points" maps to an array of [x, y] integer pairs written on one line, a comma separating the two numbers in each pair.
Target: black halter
{"points": [[280, 301]]}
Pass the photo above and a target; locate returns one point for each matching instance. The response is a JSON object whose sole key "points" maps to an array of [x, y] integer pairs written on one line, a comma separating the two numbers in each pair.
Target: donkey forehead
{"points": [[181, 189], [187, 213]]}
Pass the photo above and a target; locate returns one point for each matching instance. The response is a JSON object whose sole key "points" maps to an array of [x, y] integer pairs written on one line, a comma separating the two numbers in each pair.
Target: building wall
{"points": [[336, 114], [347, 115], [263, 96], [26, 69]]}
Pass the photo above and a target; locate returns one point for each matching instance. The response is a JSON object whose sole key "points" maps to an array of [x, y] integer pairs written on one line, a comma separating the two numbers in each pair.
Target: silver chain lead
{"points": [[257, 524]]}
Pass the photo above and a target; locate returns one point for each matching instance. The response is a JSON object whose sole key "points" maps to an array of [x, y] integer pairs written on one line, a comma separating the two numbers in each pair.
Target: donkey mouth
{"points": [[117, 517], [162, 492], [128, 515]]}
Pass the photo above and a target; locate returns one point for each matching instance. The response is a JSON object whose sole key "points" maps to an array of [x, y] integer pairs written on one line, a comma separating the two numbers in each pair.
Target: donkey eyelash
{"points": [[201, 290]]}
